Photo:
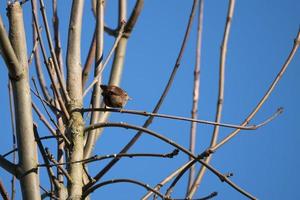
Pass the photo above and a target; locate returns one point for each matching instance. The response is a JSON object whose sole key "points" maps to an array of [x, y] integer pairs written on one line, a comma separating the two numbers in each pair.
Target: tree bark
{"points": [[23, 110], [74, 87]]}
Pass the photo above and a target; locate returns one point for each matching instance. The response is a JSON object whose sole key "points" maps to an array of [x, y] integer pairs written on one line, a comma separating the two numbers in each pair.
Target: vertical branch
{"points": [[119, 56], [58, 51], [117, 67], [3, 191], [196, 90], [220, 95], [23, 113], [13, 126], [37, 60], [89, 61], [98, 66], [74, 86], [59, 75], [48, 64]]}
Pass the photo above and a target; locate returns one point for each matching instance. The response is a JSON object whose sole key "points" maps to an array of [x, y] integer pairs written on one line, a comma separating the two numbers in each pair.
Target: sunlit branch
{"points": [[96, 79], [221, 85], [172, 143], [196, 91], [144, 113], [47, 63], [37, 58], [53, 54]]}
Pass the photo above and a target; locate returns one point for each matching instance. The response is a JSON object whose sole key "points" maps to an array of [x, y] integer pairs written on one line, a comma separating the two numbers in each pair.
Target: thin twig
{"points": [[35, 47], [99, 158], [50, 117], [3, 191], [89, 61], [180, 174], [220, 100], [210, 196], [165, 181], [57, 40], [44, 120], [52, 159], [196, 91], [10, 152], [14, 137], [100, 70], [144, 113], [40, 145], [37, 59], [53, 55], [47, 63], [52, 107], [146, 186], [266, 95], [96, 95]]}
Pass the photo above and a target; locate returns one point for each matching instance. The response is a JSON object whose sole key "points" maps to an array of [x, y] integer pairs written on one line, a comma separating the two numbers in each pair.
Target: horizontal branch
{"points": [[144, 113], [98, 158]]}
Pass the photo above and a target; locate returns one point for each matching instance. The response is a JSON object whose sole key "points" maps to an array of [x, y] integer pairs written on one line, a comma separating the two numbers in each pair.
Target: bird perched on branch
{"points": [[114, 96]]}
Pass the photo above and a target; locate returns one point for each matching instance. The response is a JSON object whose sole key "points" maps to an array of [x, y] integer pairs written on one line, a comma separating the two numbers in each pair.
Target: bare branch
{"points": [[38, 66], [53, 54], [89, 61], [133, 17], [51, 175], [128, 155], [10, 167], [3, 191], [172, 143], [48, 63], [74, 86], [166, 180], [144, 113], [95, 187], [97, 78], [14, 137], [96, 96], [160, 101], [22, 104], [8, 54], [196, 91], [220, 101]]}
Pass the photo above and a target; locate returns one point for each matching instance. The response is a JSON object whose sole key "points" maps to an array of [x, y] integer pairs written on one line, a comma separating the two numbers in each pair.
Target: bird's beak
{"points": [[129, 98]]}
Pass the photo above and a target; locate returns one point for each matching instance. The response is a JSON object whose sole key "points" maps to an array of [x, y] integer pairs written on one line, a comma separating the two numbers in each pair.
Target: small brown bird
{"points": [[114, 96]]}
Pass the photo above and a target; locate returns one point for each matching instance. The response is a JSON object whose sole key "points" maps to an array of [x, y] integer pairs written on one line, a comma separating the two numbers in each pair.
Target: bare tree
{"points": [[67, 100]]}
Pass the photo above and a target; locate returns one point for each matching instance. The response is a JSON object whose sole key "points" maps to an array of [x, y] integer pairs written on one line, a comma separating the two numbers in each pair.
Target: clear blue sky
{"points": [[264, 162]]}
